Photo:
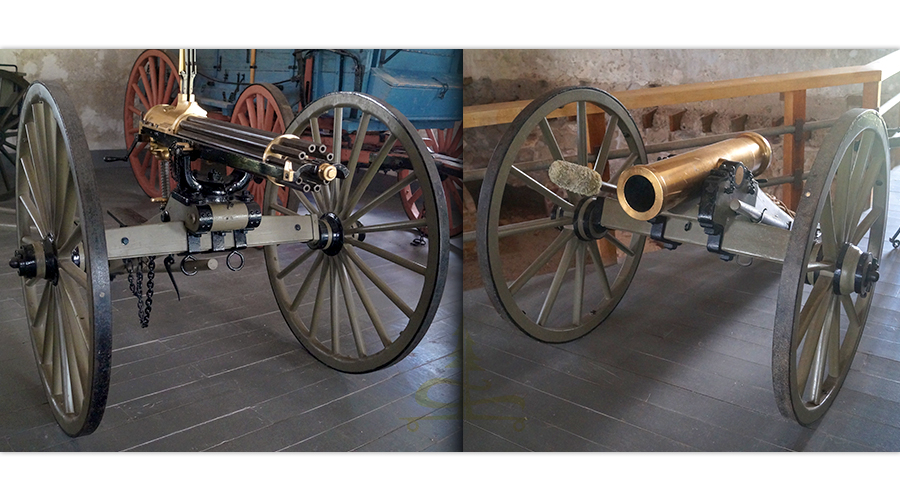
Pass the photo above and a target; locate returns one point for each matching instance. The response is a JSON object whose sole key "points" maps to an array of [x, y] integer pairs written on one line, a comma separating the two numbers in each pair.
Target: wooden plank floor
{"points": [[220, 370], [683, 363]]}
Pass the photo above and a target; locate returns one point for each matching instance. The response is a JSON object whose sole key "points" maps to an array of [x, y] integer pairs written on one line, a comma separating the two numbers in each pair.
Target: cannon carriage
{"points": [[605, 202], [323, 223]]}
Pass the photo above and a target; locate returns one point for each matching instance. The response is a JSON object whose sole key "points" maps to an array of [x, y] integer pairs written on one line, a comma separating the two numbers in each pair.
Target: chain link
{"points": [[135, 284]]}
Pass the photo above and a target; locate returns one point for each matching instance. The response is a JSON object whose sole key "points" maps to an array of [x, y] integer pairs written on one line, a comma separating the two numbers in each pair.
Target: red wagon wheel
{"points": [[263, 106], [153, 80], [441, 142]]}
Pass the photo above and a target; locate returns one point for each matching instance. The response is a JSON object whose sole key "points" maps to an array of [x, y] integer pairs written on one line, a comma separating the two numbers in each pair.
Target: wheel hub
{"points": [[855, 271], [586, 223], [331, 235], [37, 260]]}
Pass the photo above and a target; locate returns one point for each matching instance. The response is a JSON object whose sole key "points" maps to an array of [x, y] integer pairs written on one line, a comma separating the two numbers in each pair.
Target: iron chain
{"points": [[135, 284]]}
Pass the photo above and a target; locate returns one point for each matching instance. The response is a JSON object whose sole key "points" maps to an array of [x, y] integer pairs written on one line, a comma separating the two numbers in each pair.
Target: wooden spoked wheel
{"points": [[448, 143], [829, 273], [526, 252], [153, 80], [263, 106], [12, 90], [63, 259], [366, 302]]}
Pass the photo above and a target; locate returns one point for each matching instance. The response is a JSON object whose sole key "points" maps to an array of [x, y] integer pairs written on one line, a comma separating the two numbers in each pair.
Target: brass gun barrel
{"points": [[646, 190]]}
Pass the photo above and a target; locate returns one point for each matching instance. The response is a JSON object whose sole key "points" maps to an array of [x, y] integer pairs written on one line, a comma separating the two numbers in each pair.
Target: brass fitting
{"points": [[166, 118], [159, 151], [327, 172]]}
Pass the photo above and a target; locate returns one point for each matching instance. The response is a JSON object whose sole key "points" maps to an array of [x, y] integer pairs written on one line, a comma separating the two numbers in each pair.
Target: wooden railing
{"points": [[794, 86]]}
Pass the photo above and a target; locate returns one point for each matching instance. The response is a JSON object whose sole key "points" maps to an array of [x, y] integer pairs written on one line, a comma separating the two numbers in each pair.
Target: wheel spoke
{"points": [[307, 281], [541, 261], [344, 280], [594, 252], [269, 120], [314, 130], [819, 266], [374, 165], [296, 262], [865, 225], [71, 378], [561, 270], [35, 180], [382, 197], [378, 282], [79, 276], [550, 140], [850, 310], [578, 291], [80, 340], [138, 92], [170, 83], [581, 122], [371, 310], [862, 196], [531, 225], [608, 236], [810, 346], [335, 308], [629, 161], [821, 289], [606, 146], [834, 342], [830, 239], [72, 239], [49, 339], [337, 134], [55, 352], [832, 324], [354, 155], [386, 255], [40, 314], [840, 201], [154, 84], [539, 188], [35, 216], [313, 321], [251, 114]]}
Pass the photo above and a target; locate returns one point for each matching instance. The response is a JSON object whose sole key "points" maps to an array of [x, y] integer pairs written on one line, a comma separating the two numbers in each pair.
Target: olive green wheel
{"points": [[12, 90], [365, 302], [831, 265], [62, 258], [547, 279]]}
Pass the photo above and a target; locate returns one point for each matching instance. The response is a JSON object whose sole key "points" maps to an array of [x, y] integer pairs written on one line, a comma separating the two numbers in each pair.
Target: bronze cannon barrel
{"points": [[646, 190]]}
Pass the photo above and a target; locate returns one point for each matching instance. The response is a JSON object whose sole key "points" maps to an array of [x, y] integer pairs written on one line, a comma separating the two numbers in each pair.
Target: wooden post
{"points": [[596, 132], [871, 95], [794, 146]]}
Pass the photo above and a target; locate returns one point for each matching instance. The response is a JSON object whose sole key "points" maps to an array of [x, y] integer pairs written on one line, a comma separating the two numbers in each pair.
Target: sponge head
{"points": [[575, 178]]}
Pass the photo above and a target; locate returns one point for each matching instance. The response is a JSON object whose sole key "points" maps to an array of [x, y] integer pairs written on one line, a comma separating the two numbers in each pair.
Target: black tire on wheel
{"points": [[59, 218], [839, 224], [381, 292], [527, 297]]}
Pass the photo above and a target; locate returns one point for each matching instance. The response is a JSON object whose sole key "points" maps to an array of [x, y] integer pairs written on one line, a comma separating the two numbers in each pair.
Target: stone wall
{"points": [[95, 80], [508, 75]]}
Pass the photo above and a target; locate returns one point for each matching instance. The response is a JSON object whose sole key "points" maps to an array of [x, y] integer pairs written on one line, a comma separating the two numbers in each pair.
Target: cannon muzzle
{"points": [[646, 190]]}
